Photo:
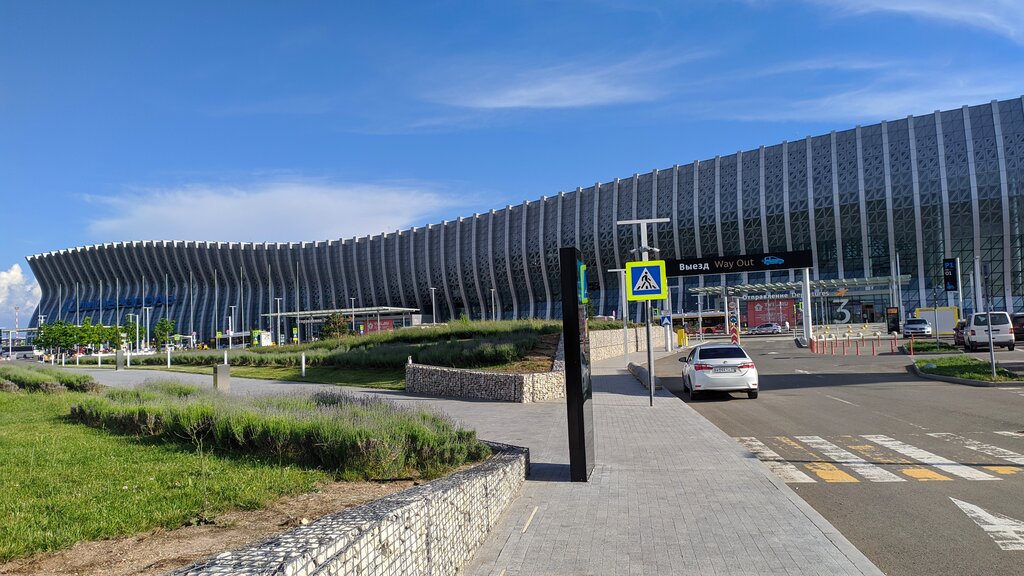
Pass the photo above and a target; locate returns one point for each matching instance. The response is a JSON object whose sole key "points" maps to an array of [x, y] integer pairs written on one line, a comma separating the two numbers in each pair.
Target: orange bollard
{"points": [[844, 347], [813, 343], [912, 343], [858, 347]]}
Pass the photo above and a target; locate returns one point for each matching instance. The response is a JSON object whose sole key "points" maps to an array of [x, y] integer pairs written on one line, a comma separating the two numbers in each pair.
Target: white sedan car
{"points": [[721, 367]]}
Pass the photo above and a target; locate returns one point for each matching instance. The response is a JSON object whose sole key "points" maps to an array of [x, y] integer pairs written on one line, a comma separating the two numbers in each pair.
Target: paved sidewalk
{"points": [[670, 494]]}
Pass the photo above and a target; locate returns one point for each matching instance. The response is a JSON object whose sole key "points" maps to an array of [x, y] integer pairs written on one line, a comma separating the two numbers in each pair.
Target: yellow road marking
{"points": [[829, 473], [1004, 470], [923, 474]]}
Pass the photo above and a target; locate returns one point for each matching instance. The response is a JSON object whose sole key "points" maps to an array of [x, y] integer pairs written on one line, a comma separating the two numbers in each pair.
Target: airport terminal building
{"points": [[868, 201]]}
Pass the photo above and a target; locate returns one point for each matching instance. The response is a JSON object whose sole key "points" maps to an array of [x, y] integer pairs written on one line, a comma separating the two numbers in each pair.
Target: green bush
{"points": [[71, 380], [353, 437], [30, 380]]}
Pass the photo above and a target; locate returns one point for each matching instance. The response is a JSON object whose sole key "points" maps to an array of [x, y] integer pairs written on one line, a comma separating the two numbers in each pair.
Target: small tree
{"points": [[163, 330], [334, 326]]}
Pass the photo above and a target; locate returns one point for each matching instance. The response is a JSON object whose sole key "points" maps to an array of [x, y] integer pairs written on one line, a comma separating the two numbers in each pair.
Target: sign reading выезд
{"points": [[744, 263]]}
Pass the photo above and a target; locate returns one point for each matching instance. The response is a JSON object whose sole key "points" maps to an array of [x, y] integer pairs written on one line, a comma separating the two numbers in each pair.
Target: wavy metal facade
{"points": [[945, 184]]}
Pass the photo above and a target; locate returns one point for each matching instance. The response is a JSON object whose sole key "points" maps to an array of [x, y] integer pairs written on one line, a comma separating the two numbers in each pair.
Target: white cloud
{"points": [[17, 289], [883, 99], [1005, 17], [279, 211], [567, 85]]}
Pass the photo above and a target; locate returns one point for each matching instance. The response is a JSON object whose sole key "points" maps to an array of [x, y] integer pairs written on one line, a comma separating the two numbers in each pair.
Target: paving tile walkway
{"points": [[670, 493]]}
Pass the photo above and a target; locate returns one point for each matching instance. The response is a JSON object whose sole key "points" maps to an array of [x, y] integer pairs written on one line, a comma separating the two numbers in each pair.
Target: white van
{"points": [[976, 332]]}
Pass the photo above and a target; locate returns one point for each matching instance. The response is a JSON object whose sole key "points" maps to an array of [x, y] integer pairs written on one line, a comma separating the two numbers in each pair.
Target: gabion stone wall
{"points": [[432, 529], [529, 387], [499, 386], [606, 344]]}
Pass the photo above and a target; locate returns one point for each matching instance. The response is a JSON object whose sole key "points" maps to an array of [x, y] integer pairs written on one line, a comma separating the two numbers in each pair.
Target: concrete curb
{"points": [[640, 373], [913, 369]]}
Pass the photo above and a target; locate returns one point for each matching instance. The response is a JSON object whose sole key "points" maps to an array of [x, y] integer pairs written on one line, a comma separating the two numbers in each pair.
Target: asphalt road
{"points": [[847, 435]]}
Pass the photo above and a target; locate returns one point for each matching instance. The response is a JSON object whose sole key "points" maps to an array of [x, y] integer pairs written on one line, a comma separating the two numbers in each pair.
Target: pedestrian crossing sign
{"points": [[646, 281]]}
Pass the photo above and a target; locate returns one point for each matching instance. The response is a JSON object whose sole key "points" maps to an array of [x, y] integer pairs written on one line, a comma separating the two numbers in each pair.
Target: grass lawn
{"points": [[921, 346], [64, 482], [384, 378], [961, 366]]}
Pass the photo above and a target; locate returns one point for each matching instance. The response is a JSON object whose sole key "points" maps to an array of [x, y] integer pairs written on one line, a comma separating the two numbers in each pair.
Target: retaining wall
{"points": [[499, 386], [606, 344], [528, 387], [432, 529]]}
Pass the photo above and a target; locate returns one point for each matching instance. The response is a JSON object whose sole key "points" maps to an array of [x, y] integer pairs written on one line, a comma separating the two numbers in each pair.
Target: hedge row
{"points": [[352, 437]]}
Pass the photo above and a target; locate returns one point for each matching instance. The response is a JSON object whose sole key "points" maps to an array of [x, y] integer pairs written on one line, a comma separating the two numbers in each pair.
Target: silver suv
{"points": [[976, 331]]}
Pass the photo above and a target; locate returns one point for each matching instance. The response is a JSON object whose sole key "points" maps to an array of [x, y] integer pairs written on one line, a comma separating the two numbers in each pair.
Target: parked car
{"points": [[768, 328], [958, 333], [1018, 326], [976, 334], [721, 367], [916, 327]]}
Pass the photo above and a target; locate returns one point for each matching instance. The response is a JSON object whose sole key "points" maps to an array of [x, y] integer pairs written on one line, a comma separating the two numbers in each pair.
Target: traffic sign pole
{"points": [[647, 300]]}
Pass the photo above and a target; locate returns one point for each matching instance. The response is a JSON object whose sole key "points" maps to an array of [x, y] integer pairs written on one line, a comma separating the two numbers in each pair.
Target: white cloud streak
{"points": [[280, 211], [892, 96], [567, 85], [17, 289], [1004, 17]]}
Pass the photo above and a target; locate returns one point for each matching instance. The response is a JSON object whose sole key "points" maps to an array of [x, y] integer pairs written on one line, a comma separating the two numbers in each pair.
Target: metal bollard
{"points": [[873, 353], [844, 347], [303, 364], [858, 347]]}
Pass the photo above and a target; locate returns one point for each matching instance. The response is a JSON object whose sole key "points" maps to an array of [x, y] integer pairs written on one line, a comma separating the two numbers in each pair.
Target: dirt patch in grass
{"points": [[539, 359], [159, 551]]}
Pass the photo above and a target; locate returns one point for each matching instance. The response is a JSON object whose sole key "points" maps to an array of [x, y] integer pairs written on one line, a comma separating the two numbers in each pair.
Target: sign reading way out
{"points": [[744, 263]]}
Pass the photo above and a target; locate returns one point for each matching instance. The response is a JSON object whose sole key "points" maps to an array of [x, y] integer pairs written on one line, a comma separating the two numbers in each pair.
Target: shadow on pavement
{"points": [[548, 472]]}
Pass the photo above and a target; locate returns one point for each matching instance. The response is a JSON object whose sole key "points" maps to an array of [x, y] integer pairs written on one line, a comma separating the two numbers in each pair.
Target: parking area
{"points": [[916, 473]]}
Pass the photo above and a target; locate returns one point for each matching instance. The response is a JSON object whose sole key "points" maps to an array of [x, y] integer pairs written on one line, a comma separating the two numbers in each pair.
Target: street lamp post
{"points": [[625, 305], [278, 323], [494, 307], [147, 310], [433, 305], [352, 301], [231, 325]]}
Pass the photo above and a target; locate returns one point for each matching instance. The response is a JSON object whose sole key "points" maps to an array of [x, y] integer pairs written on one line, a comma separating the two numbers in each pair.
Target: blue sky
{"points": [[287, 121]]}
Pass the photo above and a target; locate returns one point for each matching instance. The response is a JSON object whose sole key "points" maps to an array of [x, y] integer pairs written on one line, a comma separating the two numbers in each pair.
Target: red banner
{"points": [[764, 311]]}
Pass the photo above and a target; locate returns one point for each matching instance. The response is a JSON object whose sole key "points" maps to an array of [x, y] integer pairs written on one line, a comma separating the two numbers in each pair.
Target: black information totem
{"points": [[578, 390]]}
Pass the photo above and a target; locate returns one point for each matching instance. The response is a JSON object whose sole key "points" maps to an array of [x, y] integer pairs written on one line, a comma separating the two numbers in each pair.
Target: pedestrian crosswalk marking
{"points": [[882, 460], [858, 465], [1004, 470], [830, 473], [923, 456], [988, 449], [784, 470], [924, 474], [877, 454]]}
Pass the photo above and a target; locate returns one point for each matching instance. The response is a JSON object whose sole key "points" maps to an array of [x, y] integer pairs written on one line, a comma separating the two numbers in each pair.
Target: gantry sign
{"points": [[736, 264]]}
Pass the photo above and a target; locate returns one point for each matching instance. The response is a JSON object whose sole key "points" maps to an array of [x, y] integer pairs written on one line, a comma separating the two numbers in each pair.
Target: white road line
{"points": [[1007, 532], [855, 463], [1010, 433], [925, 457], [804, 372], [841, 400], [988, 449], [784, 470]]}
